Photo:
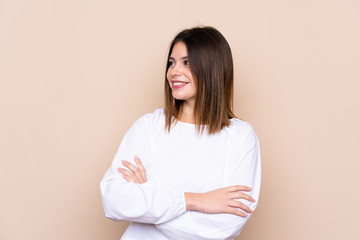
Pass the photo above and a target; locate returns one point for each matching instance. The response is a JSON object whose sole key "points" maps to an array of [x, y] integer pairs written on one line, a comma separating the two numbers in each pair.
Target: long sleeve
{"points": [[243, 168], [151, 202]]}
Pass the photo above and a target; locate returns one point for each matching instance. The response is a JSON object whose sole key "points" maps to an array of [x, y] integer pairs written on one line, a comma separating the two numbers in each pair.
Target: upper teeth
{"points": [[178, 83]]}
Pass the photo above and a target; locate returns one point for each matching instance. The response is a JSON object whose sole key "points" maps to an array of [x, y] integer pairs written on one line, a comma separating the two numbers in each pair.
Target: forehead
{"points": [[179, 50]]}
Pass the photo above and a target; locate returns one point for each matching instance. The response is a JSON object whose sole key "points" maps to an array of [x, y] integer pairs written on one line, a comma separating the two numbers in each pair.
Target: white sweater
{"points": [[176, 162]]}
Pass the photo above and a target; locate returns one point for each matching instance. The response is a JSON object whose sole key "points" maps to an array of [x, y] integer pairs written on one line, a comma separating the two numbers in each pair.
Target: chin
{"points": [[178, 97]]}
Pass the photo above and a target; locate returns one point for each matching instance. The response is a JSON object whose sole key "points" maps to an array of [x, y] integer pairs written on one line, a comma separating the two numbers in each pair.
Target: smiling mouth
{"points": [[179, 83]]}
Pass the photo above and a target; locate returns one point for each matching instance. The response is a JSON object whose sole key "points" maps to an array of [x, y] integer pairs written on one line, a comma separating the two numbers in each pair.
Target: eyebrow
{"points": [[182, 58]]}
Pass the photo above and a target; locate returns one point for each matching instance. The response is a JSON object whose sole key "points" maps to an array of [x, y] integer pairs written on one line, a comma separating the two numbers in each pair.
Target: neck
{"points": [[187, 113]]}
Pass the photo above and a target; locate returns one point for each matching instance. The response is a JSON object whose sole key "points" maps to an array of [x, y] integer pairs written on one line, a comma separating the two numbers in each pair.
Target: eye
{"points": [[171, 63], [186, 62]]}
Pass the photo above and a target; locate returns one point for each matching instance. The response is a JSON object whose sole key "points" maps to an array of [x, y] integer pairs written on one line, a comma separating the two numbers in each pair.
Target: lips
{"points": [[178, 84]]}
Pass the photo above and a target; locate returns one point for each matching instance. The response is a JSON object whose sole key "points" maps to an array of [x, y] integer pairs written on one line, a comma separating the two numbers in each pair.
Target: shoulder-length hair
{"points": [[211, 64]]}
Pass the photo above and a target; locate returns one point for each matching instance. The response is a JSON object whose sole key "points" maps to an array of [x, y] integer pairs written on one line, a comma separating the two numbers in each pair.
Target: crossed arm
{"points": [[222, 200]]}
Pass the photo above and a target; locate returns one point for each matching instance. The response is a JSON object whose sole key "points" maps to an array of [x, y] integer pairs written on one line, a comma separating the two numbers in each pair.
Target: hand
{"points": [[133, 174], [221, 200]]}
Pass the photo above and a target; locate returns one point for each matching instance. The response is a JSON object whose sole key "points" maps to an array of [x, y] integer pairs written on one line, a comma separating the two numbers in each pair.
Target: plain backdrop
{"points": [[75, 74]]}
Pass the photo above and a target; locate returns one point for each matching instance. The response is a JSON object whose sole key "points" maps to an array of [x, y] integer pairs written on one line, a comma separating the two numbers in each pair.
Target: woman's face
{"points": [[179, 75]]}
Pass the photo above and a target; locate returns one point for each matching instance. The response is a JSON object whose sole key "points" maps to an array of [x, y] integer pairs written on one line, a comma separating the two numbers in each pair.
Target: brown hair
{"points": [[211, 64]]}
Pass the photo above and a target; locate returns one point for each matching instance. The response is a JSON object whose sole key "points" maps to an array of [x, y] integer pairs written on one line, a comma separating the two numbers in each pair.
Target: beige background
{"points": [[74, 75]]}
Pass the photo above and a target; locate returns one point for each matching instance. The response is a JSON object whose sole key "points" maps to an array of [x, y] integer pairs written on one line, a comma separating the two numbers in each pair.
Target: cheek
{"points": [[167, 76], [189, 76]]}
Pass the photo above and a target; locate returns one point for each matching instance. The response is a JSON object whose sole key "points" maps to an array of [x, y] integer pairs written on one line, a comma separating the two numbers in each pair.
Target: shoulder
{"points": [[241, 131], [151, 119], [150, 123]]}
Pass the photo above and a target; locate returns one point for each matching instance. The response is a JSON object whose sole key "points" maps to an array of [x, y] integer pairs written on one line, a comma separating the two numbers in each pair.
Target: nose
{"points": [[176, 70]]}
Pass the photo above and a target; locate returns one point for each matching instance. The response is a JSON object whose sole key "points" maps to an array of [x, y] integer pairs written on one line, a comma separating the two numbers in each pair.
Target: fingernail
{"points": [[123, 161]]}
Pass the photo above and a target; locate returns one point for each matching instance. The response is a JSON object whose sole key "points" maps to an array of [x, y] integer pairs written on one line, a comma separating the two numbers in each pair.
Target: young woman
{"points": [[191, 170]]}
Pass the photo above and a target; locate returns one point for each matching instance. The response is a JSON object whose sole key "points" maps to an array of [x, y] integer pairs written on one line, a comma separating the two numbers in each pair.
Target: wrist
{"points": [[191, 200]]}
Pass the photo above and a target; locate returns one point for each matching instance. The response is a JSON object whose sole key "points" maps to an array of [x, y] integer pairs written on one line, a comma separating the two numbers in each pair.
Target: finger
{"points": [[133, 169], [127, 175], [129, 179], [242, 206], [241, 195], [141, 168], [129, 165], [236, 212], [239, 188], [125, 172]]}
